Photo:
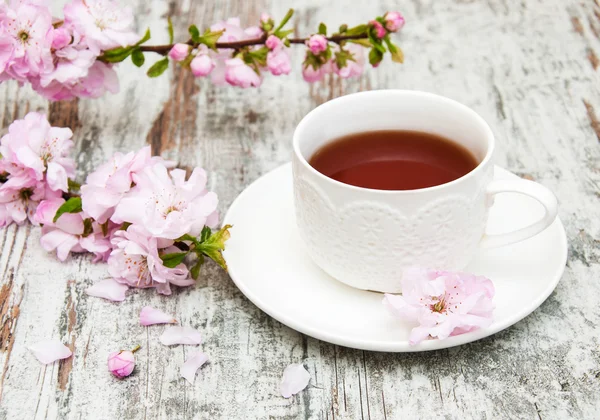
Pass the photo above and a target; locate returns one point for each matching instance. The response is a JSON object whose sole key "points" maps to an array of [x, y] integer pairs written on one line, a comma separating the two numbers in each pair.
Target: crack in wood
{"points": [[594, 122]]}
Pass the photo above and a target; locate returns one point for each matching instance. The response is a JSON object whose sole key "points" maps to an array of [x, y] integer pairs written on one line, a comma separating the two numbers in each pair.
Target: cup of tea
{"points": [[390, 179]]}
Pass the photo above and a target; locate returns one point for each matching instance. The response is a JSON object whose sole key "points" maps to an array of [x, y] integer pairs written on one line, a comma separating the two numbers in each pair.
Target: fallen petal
{"points": [[295, 379], [108, 289], [49, 351], [192, 364], [151, 316], [180, 335]]}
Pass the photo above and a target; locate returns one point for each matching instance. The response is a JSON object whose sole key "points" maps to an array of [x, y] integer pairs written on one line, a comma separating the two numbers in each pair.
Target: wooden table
{"points": [[528, 67]]}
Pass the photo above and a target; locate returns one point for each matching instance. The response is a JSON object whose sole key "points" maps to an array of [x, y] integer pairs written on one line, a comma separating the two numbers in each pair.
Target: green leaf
{"points": [[137, 56], [363, 42], [343, 28], [397, 54], [322, 29], [186, 237], [73, 185], [284, 34], [213, 246], [357, 30], [173, 260], [195, 271], [72, 205], [145, 38], [116, 55], [211, 38], [158, 68], [375, 57], [260, 56], [285, 20], [205, 234], [170, 28], [88, 229], [195, 34]]}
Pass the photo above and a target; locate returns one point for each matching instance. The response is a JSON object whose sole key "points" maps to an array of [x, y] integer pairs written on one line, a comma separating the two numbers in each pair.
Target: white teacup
{"points": [[365, 237]]}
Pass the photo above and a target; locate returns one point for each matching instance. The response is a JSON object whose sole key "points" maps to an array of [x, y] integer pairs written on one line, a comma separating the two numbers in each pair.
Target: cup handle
{"points": [[528, 188]]}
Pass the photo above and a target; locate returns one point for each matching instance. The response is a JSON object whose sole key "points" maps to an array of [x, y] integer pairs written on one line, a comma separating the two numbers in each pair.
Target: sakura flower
{"points": [[317, 44], [278, 59], [179, 52], [100, 78], [202, 65], [104, 23], [167, 205], [26, 30], [121, 363], [135, 261], [394, 21], [314, 74], [108, 289], [61, 37], [354, 67], [442, 303], [180, 335], [295, 378], [34, 146], [191, 365], [49, 351], [19, 199], [378, 28], [151, 316], [62, 236], [238, 73]]}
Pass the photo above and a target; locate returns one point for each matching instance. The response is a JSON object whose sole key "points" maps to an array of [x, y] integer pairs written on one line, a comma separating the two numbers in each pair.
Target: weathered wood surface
{"points": [[528, 67]]}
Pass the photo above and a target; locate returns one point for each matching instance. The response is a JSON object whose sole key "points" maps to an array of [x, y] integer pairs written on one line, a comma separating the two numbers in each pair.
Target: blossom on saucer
{"points": [[443, 303]]}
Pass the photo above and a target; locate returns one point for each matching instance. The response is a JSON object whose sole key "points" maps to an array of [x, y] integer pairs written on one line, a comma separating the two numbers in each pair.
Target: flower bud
{"points": [[61, 38], [393, 21], [179, 52], [121, 363], [380, 31], [317, 44], [202, 65]]}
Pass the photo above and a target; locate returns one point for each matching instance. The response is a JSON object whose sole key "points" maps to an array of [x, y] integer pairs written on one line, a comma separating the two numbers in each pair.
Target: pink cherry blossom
{"points": [[394, 21], [121, 363], [151, 316], [167, 205], [49, 351], [311, 74], [19, 199], [278, 61], [238, 73], [61, 37], [295, 378], [104, 23], [179, 52], [135, 261], [32, 145], [180, 335], [380, 31], [353, 67], [26, 30], [202, 65], [273, 42], [192, 364], [442, 303], [253, 32], [317, 44]]}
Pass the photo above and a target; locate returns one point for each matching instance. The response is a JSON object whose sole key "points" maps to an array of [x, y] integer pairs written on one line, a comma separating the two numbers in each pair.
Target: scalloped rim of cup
{"points": [[323, 107]]}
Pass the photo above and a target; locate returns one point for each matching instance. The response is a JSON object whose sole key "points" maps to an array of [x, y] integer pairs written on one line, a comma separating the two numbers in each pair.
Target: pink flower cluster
{"points": [[60, 58], [133, 210], [443, 303]]}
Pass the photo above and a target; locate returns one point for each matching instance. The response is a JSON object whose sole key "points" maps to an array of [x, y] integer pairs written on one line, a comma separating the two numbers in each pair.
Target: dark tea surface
{"points": [[393, 160]]}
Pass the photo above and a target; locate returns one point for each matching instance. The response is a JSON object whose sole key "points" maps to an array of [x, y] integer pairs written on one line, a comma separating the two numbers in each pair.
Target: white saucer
{"points": [[268, 263]]}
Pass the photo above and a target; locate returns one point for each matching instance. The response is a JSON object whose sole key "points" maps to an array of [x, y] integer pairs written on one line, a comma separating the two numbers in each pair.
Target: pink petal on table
{"points": [[295, 379], [151, 316], [108, 289], [192, 364], [48, 351], [180, 335]]}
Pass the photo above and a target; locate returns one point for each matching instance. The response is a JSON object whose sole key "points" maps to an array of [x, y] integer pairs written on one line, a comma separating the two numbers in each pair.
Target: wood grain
{"points": [[527, 67]]}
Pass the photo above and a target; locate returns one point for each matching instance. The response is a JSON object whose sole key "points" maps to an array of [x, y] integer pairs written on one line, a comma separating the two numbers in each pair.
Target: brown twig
{"points": [[236, 45]]}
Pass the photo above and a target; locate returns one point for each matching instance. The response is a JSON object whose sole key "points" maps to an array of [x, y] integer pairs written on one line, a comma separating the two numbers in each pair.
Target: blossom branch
{"points": [[75, 56]]}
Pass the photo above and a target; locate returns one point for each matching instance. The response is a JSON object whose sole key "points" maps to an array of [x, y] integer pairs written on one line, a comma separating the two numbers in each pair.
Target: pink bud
{"points": [[265, 18], [61, 38], [317, 44], [273, 42], [238, 73], [121, 363], [394, 21], [202, 65], [311, 75], [179, 52], [379, 29]]}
